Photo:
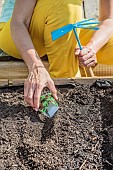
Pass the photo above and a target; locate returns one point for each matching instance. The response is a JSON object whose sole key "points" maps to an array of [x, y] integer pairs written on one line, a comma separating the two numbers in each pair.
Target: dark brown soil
{"points": [[78, 137]]}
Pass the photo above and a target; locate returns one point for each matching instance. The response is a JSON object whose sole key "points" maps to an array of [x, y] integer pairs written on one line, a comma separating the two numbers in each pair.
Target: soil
{"points": [[78, 137]]}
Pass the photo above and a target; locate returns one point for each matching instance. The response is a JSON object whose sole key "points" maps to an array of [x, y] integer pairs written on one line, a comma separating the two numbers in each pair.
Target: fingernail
{"points": [[36, 109], [56, 98]]}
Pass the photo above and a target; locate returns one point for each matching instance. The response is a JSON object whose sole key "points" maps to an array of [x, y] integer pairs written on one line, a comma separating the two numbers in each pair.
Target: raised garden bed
{"points": [[78, 137]]}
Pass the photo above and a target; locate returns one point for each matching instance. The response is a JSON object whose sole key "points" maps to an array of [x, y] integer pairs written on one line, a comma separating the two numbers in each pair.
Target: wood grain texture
{"points": [[15, 70], [1, 1], [60, 81], [18, 70], [91, 8]]}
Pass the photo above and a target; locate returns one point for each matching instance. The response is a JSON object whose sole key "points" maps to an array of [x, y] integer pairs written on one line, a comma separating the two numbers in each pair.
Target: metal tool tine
{"points": [[89, 23], [86, 20]]}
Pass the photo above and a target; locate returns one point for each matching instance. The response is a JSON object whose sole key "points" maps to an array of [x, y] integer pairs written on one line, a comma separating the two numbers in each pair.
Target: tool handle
{"points": [[89, 72]]}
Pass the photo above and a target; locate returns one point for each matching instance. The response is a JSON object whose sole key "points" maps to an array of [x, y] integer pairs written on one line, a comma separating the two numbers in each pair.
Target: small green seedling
{"points": [[49, 106]]}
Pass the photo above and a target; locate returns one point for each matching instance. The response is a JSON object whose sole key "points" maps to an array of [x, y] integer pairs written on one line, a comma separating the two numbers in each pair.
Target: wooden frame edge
{"points": [[57, 81]]}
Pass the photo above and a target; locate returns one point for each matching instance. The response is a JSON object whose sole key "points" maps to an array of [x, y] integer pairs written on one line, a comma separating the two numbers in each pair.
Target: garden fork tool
{"points": [[89, 71], [85, 24]]}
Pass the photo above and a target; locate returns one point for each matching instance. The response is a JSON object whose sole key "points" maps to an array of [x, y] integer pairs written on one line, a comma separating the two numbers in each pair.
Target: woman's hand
{"points": [[86, 56], [38, 79]]}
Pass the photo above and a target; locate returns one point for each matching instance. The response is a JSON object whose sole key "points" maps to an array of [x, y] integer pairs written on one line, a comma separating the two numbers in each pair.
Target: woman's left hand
{"points": [[86, 56]]}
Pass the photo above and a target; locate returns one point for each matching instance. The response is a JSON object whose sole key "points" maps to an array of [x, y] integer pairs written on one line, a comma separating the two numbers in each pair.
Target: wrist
{"points": [[35, 64], [32, 59], [93, 46]]}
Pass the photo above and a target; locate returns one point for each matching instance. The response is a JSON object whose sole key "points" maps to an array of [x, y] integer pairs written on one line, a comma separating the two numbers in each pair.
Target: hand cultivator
{"points": [[85, 24]]}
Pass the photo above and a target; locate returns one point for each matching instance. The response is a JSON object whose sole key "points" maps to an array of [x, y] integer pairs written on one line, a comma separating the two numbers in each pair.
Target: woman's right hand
{"points": [[86, 56], [38, 78]]}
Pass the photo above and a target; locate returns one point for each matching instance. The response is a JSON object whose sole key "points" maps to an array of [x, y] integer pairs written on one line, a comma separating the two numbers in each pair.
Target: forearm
{"points": [[24, 44], [102, 36]]}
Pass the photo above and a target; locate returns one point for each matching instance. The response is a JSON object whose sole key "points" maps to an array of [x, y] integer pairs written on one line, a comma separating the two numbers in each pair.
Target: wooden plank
{"points": [[91, 8], [15, 70], [81, 80], [57, 81], [18, 70], [1, 5]]}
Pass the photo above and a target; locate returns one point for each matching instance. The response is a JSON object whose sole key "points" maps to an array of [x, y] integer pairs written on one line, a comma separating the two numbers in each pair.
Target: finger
{"points": [[85, 57], [25, 89], [52, 88], [87, 62], [37, 93], [83, 52], [77, 51], [27, 85], [30, 94], [92, 64]]}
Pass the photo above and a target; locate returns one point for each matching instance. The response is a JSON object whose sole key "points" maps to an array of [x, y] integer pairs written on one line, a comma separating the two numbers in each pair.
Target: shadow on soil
{"points": [[17, 115]]}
